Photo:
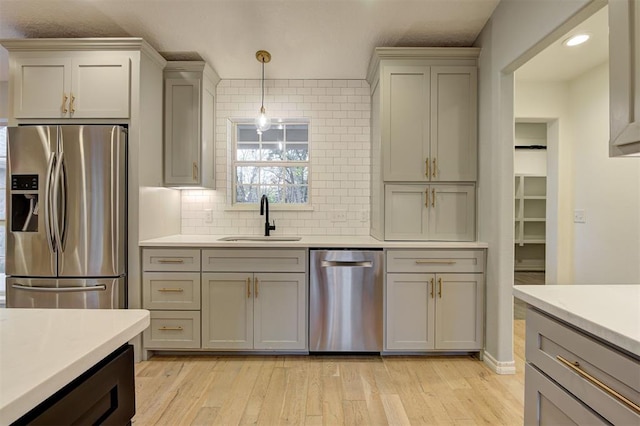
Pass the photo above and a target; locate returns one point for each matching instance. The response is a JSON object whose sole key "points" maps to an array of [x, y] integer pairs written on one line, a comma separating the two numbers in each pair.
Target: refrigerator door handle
{"points": [[115, 199], [56, 207], [48, 203], [100, 287]]}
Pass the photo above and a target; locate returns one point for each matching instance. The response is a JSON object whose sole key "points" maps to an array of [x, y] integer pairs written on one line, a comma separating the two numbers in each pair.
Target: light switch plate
{"points": [[208, 216], [338, 216], [579, 216]]}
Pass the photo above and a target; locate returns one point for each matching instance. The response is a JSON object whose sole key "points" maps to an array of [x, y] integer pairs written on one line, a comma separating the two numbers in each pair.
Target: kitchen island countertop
{"points": [[610, 313], [42, 350]]}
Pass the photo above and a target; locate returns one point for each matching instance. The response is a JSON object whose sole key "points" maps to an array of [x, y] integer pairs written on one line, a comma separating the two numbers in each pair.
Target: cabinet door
{"points": [[405, 123], [458, 317], [227, 311], [454, 125], [40, 86], [406, 212], [452, 213], [410, 312], [182, 132], [279, 311], [100, 88]]}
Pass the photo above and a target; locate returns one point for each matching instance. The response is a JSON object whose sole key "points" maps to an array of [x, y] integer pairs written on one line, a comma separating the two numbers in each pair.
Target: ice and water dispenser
{"points": [[25, 205]]}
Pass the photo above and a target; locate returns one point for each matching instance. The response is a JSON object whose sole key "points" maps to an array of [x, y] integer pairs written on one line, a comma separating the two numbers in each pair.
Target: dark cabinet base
{"points": [[103, 395]]}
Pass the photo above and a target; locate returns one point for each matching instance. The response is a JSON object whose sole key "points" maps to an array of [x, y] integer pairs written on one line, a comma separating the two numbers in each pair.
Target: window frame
{"points": [[234, 163]]}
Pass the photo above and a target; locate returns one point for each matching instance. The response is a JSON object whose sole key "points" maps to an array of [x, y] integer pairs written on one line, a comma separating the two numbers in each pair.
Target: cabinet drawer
{"points": [[549, 341], [546, 403], [173, 330], [171, 290], [435, 261], [171, 260], [250, 260]]}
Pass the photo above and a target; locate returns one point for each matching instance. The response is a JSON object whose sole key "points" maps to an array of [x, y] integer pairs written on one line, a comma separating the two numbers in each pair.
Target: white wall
{"points": [[512, 35], [549, 102], [339, 111], [607, 246]]}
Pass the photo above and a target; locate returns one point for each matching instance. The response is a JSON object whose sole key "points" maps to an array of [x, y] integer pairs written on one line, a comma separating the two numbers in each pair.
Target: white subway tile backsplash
{"points": [[339, 112]]}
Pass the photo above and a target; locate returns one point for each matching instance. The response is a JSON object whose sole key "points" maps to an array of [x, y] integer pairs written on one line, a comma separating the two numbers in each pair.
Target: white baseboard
{"points": [[499, 367]]}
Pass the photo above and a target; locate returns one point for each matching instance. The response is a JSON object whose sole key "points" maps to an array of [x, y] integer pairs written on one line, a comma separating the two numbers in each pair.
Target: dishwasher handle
{"points": [[345, 264]]}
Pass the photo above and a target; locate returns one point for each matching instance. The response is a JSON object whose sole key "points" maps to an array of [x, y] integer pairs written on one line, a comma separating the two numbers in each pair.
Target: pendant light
{"points": [[263, 122]]}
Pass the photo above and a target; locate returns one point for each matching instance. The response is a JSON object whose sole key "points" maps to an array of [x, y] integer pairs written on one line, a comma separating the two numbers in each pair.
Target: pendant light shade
{"points": [[262, 121]]}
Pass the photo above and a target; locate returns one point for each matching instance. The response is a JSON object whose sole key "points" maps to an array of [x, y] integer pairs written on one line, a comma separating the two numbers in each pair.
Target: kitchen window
{"points": [[275, 163]]}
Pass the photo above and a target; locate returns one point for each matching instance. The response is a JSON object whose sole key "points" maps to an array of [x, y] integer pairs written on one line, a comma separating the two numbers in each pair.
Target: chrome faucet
{"points": [[264, 207]]}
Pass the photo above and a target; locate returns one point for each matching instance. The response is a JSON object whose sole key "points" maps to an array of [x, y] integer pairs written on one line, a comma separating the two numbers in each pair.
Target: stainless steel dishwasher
{"points": [[345, 301]]}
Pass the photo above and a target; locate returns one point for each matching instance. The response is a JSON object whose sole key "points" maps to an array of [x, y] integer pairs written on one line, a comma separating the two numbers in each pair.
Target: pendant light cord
{"points": [[262, 106]]}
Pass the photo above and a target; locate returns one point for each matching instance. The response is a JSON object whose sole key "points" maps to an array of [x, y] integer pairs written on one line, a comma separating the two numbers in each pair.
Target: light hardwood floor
{"points": [[314, 390]]}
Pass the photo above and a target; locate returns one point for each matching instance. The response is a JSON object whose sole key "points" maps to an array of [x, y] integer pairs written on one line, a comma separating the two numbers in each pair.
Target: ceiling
{"points": [[561, 63], [329, 39]]}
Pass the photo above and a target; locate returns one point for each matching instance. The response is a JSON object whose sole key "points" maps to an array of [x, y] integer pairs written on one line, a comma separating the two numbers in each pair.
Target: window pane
{"points": [[247, 194], [297, 175], [297, 194], [274, 193], [273, 135], [272, 152], [247, 175], [297, 132], [248, 152], [273, 175], [297, 152], [247, 133]]}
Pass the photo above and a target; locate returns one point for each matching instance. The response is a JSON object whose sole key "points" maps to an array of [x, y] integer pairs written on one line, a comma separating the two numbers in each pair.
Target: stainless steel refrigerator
{"points": [[66, 216]]}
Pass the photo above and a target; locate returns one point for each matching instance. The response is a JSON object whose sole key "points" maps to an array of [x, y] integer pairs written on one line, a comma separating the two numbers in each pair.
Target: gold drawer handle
{"points": [[171, 261], [440, 288], [432, 286], [435, 168], [64, 103], [433, 197], [248, 288], [426, 164], [178, 328], [255, 290], [72, 104], [435, 262], [575, 366], [426, 198], [195, 170], [171, 290]]}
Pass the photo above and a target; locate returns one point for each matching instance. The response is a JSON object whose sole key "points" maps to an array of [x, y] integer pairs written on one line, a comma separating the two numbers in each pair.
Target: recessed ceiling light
{"points": [[576, 40]]}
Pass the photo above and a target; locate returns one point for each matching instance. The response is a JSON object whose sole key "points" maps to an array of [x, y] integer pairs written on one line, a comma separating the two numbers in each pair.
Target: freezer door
{"points": [[31, 160], [90, 201], [66, 293]]}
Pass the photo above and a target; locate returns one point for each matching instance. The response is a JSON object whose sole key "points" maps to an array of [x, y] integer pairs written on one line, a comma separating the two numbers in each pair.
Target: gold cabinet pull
{"points": [[171, 290], [432, 285], [426, 198], [255, 290], [248, 287], [440, 288], [64, 103], [195, 170], [171, 261], [575, 366], [433, 197], [435, 168], [178, 328], [435, 261], [426, 165], [72, 104]]}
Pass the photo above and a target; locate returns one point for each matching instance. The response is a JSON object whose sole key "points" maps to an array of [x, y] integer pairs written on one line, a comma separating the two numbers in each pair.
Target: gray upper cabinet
{"points": [[429, 123], [624, 77], [189, 127], [423, 131]]}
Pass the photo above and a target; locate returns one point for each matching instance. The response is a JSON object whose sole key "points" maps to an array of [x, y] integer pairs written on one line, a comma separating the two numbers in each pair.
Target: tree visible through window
{"points": [[275, 163]]}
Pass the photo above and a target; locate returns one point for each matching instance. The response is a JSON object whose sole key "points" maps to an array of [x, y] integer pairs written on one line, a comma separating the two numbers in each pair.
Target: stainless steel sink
{"points": [[259, 238]]}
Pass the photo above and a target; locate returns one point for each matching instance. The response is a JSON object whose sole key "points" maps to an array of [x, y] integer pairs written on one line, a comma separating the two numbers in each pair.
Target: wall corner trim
{"points": [[499, 367]]}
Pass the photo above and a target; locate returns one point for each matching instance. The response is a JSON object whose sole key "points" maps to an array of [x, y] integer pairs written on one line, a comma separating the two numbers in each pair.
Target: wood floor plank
{"points": [[328, 390]]}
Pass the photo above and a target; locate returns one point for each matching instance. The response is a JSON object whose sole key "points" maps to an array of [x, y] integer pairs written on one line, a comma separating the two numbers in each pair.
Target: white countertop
{"points": [[609, 312], [42, 350], [306, 241]]}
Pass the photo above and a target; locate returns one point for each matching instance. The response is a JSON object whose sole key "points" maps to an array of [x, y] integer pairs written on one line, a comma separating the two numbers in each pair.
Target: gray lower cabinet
{"points": [[262, 311], [434, 300], [572, 378], [171, 292]]}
